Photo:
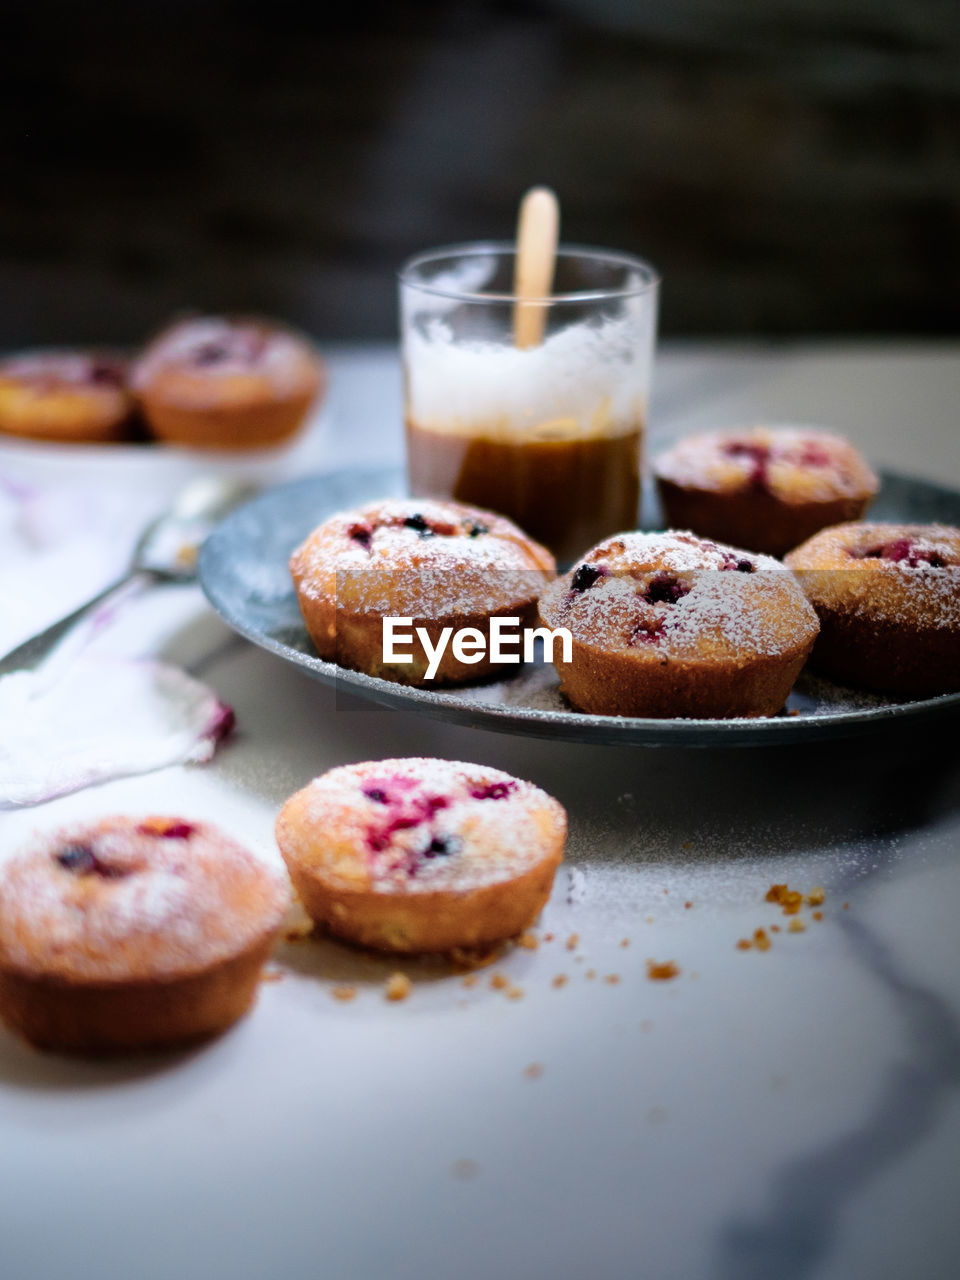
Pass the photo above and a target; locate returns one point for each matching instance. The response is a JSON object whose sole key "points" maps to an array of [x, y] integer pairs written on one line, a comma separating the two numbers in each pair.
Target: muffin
{"points": [[129, 934], [888, 598], [672, 625], [215, 383], [422, 855], [767, 488], [71, 397], [440, 564]]}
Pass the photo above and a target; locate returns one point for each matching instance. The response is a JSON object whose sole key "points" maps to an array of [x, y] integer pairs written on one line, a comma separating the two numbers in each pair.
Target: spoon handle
{"points": [[29, 655]]}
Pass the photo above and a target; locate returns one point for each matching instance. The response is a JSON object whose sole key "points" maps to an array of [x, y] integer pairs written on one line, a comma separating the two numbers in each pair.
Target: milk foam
{"points": [[588, 379]]}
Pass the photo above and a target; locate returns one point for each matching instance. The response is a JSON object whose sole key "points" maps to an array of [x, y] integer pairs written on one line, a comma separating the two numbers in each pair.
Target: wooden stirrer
{"points": [[537, 229]]}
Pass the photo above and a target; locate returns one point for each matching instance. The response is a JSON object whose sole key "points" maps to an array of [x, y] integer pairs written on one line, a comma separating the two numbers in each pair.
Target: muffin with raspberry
{"points": [[443, 565], [227, 383], [888, 599], [766, 488], [71, 397], [133, 933], [671, 625], [422, 855]]}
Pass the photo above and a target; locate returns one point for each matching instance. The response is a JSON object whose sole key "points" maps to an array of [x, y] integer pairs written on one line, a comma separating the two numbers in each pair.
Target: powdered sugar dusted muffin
{"points": [[669, 624], [888, 598], [767, 488], [130, 934], [442, 564], [216, 383], [73, 397], [422, 855]]}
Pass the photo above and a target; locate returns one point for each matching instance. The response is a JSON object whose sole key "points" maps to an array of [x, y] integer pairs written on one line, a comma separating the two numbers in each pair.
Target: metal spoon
{"points": [[166, 551]]}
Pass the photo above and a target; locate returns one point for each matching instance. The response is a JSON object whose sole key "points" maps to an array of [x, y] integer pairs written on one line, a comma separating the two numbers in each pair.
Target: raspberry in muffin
{"points": [[888, 599], [767, 488], [441, 564], [672, 625], [128, 934], [422, 855]]}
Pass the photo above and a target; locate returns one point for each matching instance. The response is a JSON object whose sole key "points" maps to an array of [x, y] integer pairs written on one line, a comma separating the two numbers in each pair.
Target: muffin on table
{"points": [[417, 854], [71, 397], [219, 383], [888, 599], [128, 934], [441, 564], [766, 488], [672, 625]]}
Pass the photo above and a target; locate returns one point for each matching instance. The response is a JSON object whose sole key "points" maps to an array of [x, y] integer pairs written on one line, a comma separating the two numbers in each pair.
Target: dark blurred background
{"points": [[790, 165]]}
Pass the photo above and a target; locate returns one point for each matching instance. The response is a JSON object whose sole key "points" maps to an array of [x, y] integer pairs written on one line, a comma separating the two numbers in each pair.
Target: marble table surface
{"points": [[791, 1113]]}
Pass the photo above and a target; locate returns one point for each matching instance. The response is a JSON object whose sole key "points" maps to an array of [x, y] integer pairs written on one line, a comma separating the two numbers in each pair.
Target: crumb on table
{"points": [[661, 971], [398, 986]]}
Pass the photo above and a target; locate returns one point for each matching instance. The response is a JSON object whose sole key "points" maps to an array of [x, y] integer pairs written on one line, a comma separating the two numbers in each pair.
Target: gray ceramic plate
{"points": [[243, 570]]}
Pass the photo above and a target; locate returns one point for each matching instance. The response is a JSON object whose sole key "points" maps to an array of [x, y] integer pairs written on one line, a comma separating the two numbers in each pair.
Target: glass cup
{"points": [[550, 435]]}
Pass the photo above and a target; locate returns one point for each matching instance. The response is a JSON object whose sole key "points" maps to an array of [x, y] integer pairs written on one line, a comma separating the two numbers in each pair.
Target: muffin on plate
{"points": [[672, 625], [422, 855], [888, 599], [128, 934], [766, 488], [440, 564], [71, 397], [219, 383]]}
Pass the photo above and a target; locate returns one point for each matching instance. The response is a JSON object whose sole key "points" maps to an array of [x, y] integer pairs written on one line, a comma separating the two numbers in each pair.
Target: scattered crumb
{"points": [[534, 1071], [744, 944], [661, 971], [272, 975], [515, 993], [548, 937], [789, 899], [797, 926], [528, 941], [818, 915], [398, 986], [465, 1170], [499, 981], [666, 891], [624, 942], [573, 942], [687, 906], [775, 928], [649, 920], [590, 974], [344, 993], [560, 980], [612, 979], [469, 981], [816, 896], [760, 940], [846, 906], [472, 958]]}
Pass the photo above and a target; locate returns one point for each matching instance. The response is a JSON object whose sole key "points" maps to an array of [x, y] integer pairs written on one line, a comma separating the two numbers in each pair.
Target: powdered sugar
{"points": [[155, 906], [419, 825], [712, 601], [800, 464]]}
